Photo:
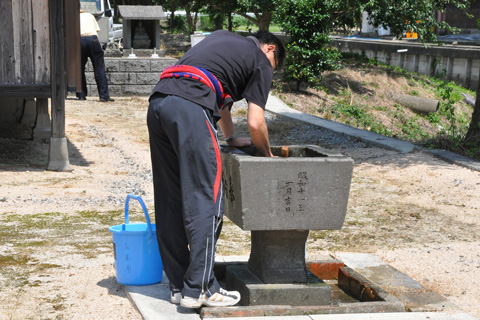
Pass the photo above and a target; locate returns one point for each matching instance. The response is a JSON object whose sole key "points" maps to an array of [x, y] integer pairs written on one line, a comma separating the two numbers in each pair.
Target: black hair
{"points": [[266, 37]]}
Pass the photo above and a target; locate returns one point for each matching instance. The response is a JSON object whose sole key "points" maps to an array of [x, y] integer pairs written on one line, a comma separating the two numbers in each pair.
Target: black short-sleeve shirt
{"points": [[239, 64]]}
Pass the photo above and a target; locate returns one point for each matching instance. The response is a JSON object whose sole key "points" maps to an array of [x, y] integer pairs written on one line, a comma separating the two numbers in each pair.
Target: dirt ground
{"points": [[419, 214]]}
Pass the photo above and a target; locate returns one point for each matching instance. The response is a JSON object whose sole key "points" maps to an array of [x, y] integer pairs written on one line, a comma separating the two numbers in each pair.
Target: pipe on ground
{"points": [[469, 99], [419, 104]]}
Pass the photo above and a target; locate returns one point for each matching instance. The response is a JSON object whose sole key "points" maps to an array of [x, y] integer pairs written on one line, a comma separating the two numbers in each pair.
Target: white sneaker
{"points": [[189, 302], [175, 297], [223, 298]]}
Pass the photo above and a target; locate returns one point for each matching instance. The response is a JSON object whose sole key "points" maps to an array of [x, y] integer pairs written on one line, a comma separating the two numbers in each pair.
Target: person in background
{"points": [[92, 49], [184, 109]]}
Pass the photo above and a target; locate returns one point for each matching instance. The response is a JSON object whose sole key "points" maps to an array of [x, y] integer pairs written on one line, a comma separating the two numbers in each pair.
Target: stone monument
{"points": [[139, 22]]}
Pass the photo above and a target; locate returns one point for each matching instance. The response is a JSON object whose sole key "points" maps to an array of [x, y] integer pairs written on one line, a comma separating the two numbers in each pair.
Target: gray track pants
{"points": [[188, 192]]}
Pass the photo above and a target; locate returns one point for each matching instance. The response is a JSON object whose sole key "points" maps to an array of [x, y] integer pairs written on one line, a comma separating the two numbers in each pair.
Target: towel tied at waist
{"points": [[177, 71]]}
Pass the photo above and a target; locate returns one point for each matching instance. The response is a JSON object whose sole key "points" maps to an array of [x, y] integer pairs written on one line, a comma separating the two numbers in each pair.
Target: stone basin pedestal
{"points": [[279, 200]]}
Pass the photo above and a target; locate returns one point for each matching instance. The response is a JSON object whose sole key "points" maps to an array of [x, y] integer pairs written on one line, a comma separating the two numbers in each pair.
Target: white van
{"points": [[103, 12]]}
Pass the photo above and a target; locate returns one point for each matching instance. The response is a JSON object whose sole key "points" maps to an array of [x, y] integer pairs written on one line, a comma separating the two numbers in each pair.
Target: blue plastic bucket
{"points": [[135, 247]]}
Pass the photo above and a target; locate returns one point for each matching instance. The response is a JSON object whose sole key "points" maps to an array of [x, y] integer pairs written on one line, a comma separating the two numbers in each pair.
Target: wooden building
{"points": [[40, 59]]}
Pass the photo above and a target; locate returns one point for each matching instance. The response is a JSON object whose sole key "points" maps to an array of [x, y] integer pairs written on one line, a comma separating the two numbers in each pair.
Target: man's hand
{"points": [[240, 142]]}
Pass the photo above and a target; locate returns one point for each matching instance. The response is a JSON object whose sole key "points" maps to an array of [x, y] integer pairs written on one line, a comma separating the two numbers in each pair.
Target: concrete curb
{"points": [[454, 158]]}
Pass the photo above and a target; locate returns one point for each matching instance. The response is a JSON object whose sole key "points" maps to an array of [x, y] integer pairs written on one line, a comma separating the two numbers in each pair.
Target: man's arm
{"points": [[226, 125], [258, 129]]}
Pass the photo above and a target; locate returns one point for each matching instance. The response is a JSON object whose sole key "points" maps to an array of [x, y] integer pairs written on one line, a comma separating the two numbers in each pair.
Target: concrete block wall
{"points": [[459, 63], [128, 77]]}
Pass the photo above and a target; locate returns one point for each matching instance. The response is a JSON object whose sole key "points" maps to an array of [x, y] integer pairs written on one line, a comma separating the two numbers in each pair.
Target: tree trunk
{"points": [[219, 18], [171, 19], [230, 22], [191, 20], [472, 139], [195, 19], [264, 21]]}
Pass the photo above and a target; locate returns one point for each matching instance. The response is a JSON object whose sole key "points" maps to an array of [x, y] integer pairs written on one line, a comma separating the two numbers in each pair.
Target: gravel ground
{"points": [[416, 212]]}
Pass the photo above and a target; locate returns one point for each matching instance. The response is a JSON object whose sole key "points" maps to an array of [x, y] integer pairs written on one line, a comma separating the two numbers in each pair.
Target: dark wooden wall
{"points": [[25, 48]]}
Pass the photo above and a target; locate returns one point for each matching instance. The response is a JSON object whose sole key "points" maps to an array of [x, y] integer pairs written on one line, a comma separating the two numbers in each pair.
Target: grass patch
{"points": [[27, 240]]}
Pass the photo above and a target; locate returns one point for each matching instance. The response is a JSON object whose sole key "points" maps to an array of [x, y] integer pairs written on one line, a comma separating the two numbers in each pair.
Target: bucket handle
{"points": [[139, 199]]}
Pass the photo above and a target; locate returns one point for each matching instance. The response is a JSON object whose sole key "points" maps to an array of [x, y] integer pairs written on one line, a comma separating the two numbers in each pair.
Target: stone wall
{"points": [[128, 77]]}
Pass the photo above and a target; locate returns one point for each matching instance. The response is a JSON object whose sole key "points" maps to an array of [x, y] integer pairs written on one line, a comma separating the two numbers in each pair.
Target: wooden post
{"points": [[58, 152]]}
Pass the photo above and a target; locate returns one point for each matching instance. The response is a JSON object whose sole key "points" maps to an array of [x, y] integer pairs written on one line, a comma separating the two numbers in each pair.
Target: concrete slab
{"points": [[153, 303], [393, 316], [264, 318], [378, 271], [359, 260], [369, 316], [412, 294], [385, 275]]}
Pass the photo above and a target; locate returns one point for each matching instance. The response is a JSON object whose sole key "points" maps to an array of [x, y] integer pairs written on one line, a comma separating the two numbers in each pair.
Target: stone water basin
{"points": [[308, 190]]}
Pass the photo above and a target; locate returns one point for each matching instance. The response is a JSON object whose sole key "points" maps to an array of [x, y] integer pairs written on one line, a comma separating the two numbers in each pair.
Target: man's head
{"points": [[272, 47]]}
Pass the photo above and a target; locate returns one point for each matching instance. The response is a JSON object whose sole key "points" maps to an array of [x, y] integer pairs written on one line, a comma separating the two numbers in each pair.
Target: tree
{"points": [[191, 7], [308, 24], [418, 15], [260, 12], [222, 8], [169, 5], [261, 9], [472, 138]]}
